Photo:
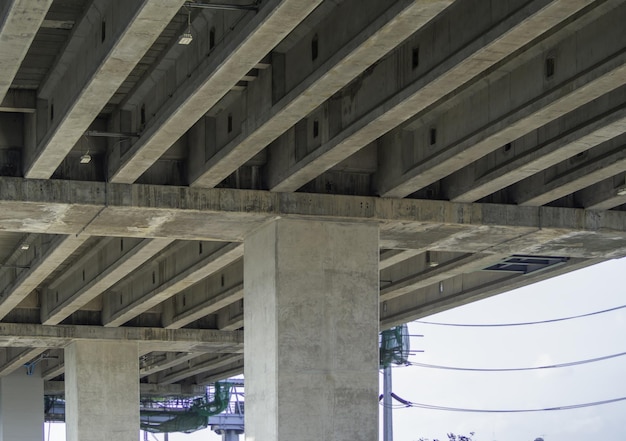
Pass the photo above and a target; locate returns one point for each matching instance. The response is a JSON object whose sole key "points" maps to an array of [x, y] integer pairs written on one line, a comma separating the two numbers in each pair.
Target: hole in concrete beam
{"points": [[103, 31], [550, 67], [212, 38], [415, 57], [230, 123], [314, 48], [316, 128], [433, 136]]}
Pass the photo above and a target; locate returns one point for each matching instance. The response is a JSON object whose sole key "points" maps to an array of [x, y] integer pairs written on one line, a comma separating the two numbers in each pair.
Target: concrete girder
{"points": [[272, 22], [19, 101], [476, 56], [577, 89], [445, 270], [468, 187], [197, 366], [211, 377], [209, 306], [197, 266], [177, 340], [20, 21], [42, 258], [124, 31], [229, 215], [57, 388], [376, 39], [157, 362], [581, 174], [106, 264], [391, 257], [464, 289], [603, 195], [15, 358]]}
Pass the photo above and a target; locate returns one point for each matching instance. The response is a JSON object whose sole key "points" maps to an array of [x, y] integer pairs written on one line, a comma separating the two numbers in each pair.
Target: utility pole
{"points": [[387, 410]]}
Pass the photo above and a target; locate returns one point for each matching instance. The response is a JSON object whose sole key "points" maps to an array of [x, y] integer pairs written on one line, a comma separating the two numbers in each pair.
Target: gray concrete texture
{"points": [[466, 132]]}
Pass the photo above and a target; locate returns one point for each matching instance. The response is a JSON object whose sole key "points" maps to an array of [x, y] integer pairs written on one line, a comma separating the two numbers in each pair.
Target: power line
{"points": [[410, 404], [486, 325], [552, 366]]}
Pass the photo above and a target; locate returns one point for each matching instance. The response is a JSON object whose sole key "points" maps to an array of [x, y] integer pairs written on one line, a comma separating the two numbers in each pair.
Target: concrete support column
{"points": [[311, 331], [21, 406], [102, 391]]}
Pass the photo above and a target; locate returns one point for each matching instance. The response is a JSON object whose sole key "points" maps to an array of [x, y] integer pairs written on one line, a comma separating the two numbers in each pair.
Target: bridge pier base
{"points": [[311, 333], [102, 391]]}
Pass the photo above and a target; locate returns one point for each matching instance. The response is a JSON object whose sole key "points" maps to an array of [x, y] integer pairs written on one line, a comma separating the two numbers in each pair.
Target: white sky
{"points": [[595, 288]]}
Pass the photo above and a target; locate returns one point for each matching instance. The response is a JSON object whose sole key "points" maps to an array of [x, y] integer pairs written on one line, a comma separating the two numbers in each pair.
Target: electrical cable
{"points": [[485, 325], [544, 409], [552, 366]]}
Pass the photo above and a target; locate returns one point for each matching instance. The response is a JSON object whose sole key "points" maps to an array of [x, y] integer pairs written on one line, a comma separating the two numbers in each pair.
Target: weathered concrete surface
{"points": [[382, 35], [181, 340], [20, 21], [268, 27], [84, 78], [21, 407], [101, 391], [311, 331]]}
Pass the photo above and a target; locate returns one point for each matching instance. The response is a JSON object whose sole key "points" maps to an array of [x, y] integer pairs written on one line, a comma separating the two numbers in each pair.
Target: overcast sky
{"points": [[595, 288]]}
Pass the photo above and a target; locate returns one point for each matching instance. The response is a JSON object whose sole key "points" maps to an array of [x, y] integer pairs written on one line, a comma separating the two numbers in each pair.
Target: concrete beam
{"points": [[229, 215], [198, 366], [212, 377], [14, 359], [392, 257], [157, 362], [19, 101], [123, 31], [241, 53], [202, 309], [351, 58], [196, 266], [471, 60], [465, 289], [57, 388], [578, 88], [98, 270], [19, 23], [445, 270], [604, 195], [42, 258], [468, 187], [582, 174], [178, 340]]}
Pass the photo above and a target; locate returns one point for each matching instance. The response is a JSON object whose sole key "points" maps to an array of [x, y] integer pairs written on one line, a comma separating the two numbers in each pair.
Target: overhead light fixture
{"points": [[186, 37], [621, 191], [24, 246], [85, 159]]}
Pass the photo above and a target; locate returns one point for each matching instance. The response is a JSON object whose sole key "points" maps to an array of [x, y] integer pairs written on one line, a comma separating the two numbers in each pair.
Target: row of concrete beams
{"points": [[19, 22], [462, 60], [84, 78], [577, 79], [235, 57], [343, 58]]}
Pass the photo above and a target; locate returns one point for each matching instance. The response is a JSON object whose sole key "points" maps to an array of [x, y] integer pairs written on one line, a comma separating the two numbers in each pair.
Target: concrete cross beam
{"points": [[177, 340], [57, 388], [197, 366], [468, 62], [15, 358], [19, 23], [241, 53], [159, 361], [605, 194], [351, 57], [104, 265], [123, 32]]}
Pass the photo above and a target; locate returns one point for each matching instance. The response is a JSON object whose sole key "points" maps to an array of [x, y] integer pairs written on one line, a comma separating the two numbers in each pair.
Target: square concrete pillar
{"points": [[21, 406], [102, 391], [311, 331]]}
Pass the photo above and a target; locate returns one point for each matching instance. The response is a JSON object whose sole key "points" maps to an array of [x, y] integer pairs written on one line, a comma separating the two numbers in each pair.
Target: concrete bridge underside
{"points": [[159, 196]]}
